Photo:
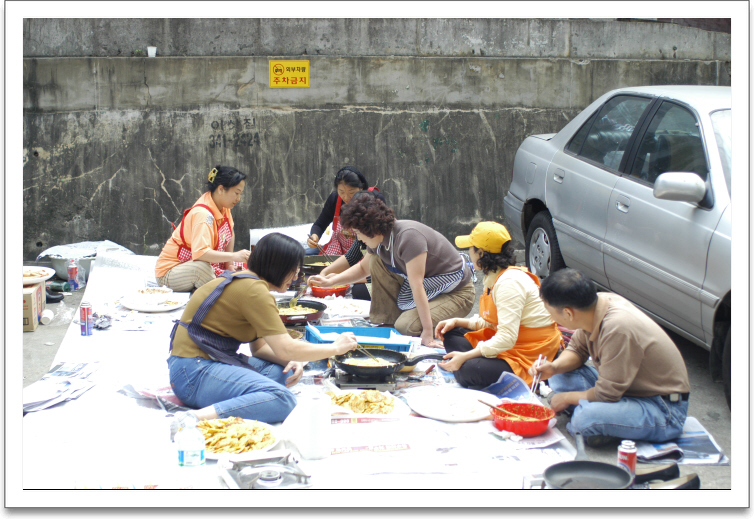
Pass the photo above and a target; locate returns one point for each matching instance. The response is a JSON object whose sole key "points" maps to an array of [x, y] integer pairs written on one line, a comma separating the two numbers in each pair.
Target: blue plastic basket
{"points": [[362, 332]]}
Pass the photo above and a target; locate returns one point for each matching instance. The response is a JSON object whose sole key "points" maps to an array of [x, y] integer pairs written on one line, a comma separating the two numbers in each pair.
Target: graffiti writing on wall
{"points": [[234, 133]]}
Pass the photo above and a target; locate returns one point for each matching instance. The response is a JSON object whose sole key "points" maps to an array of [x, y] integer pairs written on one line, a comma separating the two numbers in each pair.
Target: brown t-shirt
{"points": [[246, 310], [412, 238], [632, 354]]}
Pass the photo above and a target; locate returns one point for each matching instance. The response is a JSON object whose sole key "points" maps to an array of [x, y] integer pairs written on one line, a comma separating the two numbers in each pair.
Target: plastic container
{"points": [[379, 334], [329, 291], [314, 440], [191, 445], [523, 426]]}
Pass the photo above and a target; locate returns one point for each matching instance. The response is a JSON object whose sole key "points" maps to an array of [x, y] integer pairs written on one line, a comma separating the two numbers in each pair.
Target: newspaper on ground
{"points": [[695, 446], [510, 386], [65, 381]]}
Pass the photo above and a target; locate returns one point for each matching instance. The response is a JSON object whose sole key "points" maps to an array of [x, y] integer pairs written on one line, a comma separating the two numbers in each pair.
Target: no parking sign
{"points": [[289, 74]]}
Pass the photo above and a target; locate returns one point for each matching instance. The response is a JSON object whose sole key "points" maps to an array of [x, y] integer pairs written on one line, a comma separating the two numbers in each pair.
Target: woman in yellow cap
{"points": [[201, 247], [513, 327]]}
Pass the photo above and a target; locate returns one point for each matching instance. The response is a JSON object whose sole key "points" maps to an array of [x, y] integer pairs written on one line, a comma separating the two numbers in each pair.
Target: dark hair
{"points": [[227, 176], [568, 287], [275, 256], [367, 214], [350, 176], [491, 261]]}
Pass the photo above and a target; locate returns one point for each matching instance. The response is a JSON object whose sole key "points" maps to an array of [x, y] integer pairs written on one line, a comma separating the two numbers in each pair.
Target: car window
{"points": [[578, 139], [672, 143], [722, 125], [608, 136]]}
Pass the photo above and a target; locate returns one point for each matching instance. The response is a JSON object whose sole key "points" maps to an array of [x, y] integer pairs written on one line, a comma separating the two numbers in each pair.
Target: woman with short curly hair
{"points": [[418, 277], [513, 327]]}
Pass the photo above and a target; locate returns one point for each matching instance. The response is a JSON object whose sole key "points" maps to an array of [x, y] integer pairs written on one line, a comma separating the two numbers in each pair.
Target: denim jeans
{"points": [[652, 419], [232, 390]]}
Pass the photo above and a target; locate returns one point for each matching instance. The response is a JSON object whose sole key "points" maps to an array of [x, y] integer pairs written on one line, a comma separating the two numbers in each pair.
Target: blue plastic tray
{"points": [[362, 332]]}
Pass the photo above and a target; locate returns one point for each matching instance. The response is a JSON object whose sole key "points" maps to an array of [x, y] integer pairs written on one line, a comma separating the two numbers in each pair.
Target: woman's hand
{"points": [[444, 326], [241, 256], [457, 358], [428, 339], [345, 343], [322, 281], [297, 369], [313, 241]]}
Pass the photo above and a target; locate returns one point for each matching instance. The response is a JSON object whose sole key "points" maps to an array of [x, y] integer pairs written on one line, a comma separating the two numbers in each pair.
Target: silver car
{"points": [[635, 192]]}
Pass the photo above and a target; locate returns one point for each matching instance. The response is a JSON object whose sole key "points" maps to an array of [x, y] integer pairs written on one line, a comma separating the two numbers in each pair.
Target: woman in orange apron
{"points": [[201, 247], [512, 328], [348, 182]]}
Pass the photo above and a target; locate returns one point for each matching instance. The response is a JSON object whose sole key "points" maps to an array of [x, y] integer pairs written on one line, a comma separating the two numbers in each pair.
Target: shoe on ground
{"points": [[688, 482], [656, 471], [599, 440], [53, 298], [179, 422]]}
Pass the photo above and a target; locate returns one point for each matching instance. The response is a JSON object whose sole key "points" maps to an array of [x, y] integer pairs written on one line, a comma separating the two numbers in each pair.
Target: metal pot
{"points": [[582, 474], [299, 318], [398, 359]]}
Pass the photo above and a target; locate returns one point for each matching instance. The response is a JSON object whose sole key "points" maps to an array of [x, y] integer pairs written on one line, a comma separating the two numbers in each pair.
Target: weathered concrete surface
{"points": [[116, 148], [498, 37]]}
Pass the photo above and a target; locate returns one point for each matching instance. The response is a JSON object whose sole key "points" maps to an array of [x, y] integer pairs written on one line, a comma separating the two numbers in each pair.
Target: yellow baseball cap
{"points": [[488, 236]]}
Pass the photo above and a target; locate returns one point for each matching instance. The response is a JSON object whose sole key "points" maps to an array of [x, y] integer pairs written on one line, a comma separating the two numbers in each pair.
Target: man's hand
{"points": [[443, 327], [298, 370], [457, 358], [547, 369]]}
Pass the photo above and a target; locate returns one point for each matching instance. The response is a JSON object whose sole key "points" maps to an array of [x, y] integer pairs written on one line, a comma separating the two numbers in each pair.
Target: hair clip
{"points": [[212, 175]]}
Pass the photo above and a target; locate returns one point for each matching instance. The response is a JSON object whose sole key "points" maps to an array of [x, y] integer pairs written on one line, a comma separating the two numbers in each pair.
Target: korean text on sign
{"points": [[289, 74]]}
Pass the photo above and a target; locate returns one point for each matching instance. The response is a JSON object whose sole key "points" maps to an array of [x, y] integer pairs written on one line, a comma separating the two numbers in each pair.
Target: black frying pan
{"points": [[398, 359], [582, 474], [299, 318]]}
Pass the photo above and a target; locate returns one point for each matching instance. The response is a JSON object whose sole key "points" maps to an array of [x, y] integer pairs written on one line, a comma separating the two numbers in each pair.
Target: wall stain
{"points": [[424, 125]]}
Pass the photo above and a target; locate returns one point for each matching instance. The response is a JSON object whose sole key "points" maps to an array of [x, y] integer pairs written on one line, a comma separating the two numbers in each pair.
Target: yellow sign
{"points": [[289, 74]]}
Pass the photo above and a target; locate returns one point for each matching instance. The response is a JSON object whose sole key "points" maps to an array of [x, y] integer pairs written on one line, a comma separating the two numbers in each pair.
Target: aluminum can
{"points": [[73, 271], [627, 457], [86, 319]]}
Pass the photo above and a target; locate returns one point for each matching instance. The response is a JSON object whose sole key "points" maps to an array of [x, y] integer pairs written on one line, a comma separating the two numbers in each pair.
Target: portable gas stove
{"points": [[347, 381]]}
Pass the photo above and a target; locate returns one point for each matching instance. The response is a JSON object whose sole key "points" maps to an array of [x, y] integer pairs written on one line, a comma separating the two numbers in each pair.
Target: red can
{"points": [[86, 319], [627, 457]]}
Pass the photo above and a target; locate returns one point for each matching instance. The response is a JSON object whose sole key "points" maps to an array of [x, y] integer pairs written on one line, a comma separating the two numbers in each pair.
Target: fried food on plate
{"points": [[368, 401], [235, 435]]}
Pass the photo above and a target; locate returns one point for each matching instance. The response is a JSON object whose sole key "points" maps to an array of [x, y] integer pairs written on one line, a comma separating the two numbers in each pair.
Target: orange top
{"points": [[200, 233]]}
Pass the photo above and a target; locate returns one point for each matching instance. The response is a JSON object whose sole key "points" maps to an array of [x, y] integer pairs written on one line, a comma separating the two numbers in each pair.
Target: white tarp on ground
{"points": [[300, 233], [104, 439]]}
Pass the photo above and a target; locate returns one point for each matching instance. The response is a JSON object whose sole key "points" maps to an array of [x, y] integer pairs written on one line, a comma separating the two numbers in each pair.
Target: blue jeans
{"points": [[311, 251], [232, 390], [652, 419]]}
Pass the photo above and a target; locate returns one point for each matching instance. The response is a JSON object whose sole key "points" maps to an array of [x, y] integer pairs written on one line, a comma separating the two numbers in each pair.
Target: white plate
{"points": [[38, 279], [243, 456], [450, 404], [399, 408], [133, 303]]}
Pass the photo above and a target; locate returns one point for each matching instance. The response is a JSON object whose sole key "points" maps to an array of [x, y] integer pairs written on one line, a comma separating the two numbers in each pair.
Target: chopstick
{"points": [[520, 417], [362, 348], [327, 257], [535, 380]]}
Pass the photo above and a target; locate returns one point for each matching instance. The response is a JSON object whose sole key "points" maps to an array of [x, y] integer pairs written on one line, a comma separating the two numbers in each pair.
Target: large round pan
{"points": [[398, 359], [293, 319], [582, 474]]}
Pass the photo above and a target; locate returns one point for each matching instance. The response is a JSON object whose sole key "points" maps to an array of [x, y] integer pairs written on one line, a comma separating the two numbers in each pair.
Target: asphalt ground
{"points": [[706, 403]]}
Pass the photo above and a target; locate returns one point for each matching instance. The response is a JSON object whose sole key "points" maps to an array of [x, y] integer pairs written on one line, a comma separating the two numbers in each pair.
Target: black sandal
{"points": [[661, 471]]}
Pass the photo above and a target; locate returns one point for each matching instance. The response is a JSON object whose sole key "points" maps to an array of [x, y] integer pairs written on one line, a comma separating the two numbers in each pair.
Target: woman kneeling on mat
{"points": [[512, 328]]}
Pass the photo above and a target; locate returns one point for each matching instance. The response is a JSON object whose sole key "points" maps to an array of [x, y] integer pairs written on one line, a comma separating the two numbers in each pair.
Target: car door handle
{"points": [[622, 204], [558, 176]]}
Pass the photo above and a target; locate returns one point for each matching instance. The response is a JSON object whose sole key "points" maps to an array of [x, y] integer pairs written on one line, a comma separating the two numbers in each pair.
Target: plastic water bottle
{"points": [[316, 443], [191, 446], [73, 271]]}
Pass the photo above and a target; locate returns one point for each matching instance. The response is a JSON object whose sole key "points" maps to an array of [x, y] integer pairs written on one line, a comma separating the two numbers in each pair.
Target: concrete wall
{"points": [[432, 111]]}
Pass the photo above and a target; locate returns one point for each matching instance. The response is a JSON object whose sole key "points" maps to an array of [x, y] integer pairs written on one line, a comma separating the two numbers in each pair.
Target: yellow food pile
{"points": [[368, 401], [368, 362], [234, 435], [34, 273]]}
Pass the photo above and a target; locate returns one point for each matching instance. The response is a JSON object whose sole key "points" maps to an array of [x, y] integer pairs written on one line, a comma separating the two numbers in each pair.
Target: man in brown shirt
{"points": [[638, 388]]}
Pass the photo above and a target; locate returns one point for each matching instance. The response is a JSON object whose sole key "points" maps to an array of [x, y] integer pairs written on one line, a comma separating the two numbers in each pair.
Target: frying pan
{"points": [[315, 269], [292, 319], [582, 474], [398, 359]]}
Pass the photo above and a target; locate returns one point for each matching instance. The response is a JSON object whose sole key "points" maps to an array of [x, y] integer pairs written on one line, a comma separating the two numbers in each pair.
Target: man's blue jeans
{"points": [[653, 419], [232, 390]]}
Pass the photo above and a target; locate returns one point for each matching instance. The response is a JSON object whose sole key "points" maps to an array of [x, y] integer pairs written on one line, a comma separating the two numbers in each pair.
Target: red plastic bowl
{"points": [[329, 291], [523, 427]]}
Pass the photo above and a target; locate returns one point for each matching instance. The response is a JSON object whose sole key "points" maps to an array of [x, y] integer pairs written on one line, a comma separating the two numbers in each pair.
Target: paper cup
{"points": [[151, 52], [47, 316]]}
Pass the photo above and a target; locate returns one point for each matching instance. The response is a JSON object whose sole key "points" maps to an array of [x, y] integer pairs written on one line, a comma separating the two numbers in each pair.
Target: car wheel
{"points": [[542, 251], [726, 367]]}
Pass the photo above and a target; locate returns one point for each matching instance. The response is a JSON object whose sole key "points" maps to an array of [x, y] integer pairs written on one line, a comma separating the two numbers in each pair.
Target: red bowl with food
{"points": [[521, 418], [329, 291]]}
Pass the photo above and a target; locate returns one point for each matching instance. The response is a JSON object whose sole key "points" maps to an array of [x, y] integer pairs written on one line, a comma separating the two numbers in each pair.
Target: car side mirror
{"points": [[686, 187]]}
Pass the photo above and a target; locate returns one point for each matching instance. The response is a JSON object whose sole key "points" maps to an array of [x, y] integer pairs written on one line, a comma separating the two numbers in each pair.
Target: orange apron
{"points": [[531, 342]]}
